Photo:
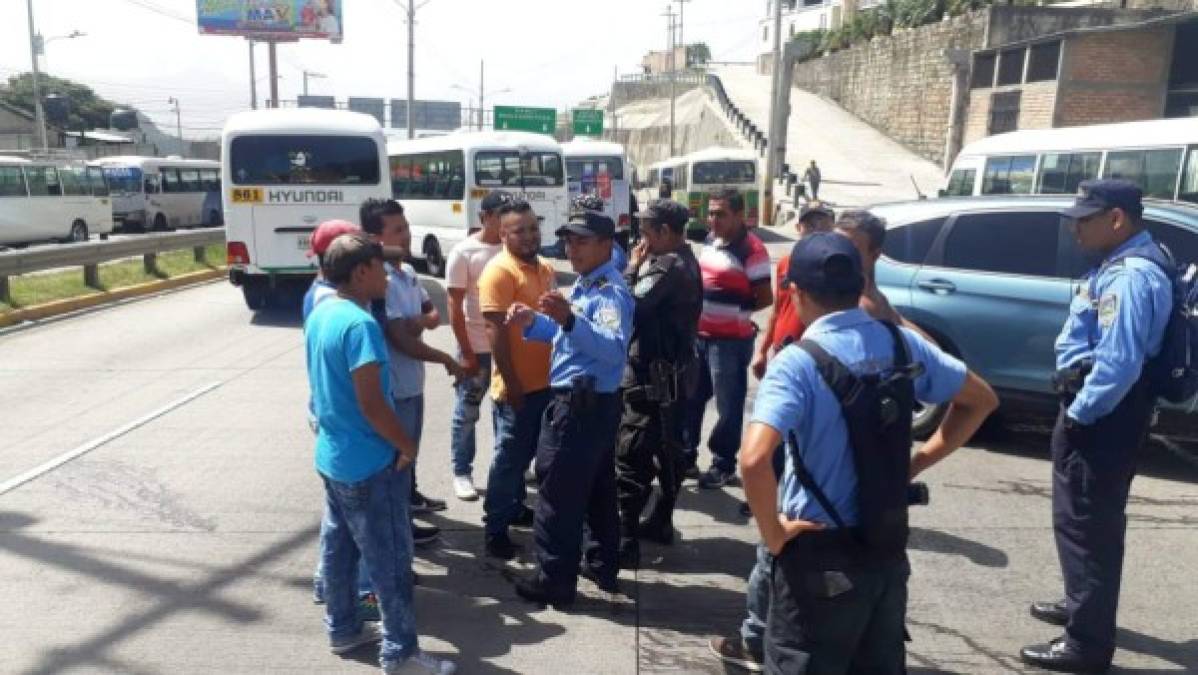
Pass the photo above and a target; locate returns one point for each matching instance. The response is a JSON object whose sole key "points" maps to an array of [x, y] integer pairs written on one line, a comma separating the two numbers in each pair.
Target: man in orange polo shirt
{"points": [[784, 325], [520, 378]]}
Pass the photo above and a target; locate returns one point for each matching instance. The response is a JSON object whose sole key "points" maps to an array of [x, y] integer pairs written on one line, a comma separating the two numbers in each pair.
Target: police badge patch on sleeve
{"points": [[1108, 308], [645, 285], [608, 317]]}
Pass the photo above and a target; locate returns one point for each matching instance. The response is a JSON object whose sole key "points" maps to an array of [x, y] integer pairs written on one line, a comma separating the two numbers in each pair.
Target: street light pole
{"points": [[253, 79], [681, 26], [273, 55], [673, 75], [773, 142], [39, 114], [313, 75], [178, 125]]}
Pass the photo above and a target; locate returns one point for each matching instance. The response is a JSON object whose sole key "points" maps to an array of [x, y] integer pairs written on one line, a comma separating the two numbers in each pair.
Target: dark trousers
{"points": [[577, 477], [641, 448], [835, 618], [1092, 470]]}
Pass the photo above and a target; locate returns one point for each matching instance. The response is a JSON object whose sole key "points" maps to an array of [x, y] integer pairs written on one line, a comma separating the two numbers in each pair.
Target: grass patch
{"points": [[37, 289]]}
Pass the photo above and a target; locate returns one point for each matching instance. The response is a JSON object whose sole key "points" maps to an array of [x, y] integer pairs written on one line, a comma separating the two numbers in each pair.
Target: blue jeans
{"points": [[471, 392], [757, 601], [370, 521], [411, 418], [516, 436], [724, 374]]}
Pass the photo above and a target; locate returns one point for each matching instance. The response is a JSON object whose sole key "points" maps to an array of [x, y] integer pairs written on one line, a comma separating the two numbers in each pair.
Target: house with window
{"points": [[1095, 75], [799, 16]]}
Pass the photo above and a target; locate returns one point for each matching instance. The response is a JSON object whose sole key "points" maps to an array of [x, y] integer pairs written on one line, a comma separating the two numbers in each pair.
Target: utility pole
{"points": [[774, 144], [410, 9], [673, 75], [681, 26], [39, 114], [615, 119], [274, 73], [253, 79], [482, 72], [178, 125]]}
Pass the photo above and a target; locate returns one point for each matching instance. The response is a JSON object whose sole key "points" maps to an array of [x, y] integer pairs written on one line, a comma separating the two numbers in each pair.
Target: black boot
{"points": [[533, 589], [657, 528], [630, 553]]}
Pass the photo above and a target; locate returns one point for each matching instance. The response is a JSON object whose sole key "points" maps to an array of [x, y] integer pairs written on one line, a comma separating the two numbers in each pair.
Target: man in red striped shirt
{"points": [[736, 283]]}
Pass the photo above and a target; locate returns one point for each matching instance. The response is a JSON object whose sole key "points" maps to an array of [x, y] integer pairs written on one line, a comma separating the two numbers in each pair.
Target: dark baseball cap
{"points": [[666, 212], [1095, 196], [588, 224], [494, 200], [826, 262], [815, 208]]}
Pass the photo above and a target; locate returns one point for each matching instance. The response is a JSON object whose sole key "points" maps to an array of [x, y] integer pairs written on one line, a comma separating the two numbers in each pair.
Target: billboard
{"points": [[271, 19], [427, 115], [375, 107]]}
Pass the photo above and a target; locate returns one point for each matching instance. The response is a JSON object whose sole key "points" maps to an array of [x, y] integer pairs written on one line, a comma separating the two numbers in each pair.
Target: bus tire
{"points": [[160, 223], [78, 232], [256, 293], [434, 261]]}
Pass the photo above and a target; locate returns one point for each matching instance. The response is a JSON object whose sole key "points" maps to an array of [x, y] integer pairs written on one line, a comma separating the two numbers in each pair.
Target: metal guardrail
{"points": [[90, 255]]}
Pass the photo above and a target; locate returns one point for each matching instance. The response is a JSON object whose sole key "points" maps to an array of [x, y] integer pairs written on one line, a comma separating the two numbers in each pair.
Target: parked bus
{"points": [[1161, 156], [694, 176], [285, 172], [442, 180], [43, 200], [159, 193], [601, 168]]}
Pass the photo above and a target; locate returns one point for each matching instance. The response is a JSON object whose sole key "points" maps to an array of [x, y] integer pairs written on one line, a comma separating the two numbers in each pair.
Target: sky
{"points": [[550, 53]]}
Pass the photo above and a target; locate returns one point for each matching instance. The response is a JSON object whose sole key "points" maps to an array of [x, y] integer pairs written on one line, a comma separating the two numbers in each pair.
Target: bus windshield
{"points": [[511, 169], [304, 160], [123, 178], [728, 171]]}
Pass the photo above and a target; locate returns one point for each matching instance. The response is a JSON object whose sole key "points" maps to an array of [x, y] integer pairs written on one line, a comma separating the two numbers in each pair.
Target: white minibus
{"points": [[285, 172], [159, 193], [442, 180], [692, 177], [601, 168], [1161, 156], [42, 200]]}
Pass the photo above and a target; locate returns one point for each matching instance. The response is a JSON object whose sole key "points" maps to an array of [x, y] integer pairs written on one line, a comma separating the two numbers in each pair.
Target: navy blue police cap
{"points": [[666, 212], [1096, 196], [588, 224], [494, 200], [826, 262]]}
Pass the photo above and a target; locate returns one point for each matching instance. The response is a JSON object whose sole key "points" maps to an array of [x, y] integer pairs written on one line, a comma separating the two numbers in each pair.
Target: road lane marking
{"points": [[14, 483]]}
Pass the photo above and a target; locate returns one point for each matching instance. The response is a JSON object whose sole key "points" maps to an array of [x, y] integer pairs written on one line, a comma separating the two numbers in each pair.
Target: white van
{"points": [[157, 193], [285, 172], [1161, 156], [441, 182], [601, 168], [43, 200]]}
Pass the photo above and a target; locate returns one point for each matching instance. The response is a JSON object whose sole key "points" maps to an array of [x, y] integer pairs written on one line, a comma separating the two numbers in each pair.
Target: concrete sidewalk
{"points": [[860, 165]]}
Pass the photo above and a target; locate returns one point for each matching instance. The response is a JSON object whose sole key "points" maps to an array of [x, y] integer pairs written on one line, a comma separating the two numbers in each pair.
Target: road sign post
{"points": [[588, 122], [536, 120]]}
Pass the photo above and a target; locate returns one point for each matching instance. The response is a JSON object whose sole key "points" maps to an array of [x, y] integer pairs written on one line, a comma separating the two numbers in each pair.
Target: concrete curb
{"points": [[68, 305]]}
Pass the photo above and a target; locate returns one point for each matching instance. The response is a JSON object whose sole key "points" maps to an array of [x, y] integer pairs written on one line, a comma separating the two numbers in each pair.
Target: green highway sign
{"points": [[537, 120], [588, 122]]}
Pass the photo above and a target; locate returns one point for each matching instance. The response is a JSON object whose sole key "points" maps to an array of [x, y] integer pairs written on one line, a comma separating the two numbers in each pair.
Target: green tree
{"points": [[697, 54], [87, 110]]}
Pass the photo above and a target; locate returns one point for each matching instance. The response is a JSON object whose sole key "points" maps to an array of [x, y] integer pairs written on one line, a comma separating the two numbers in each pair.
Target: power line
{"points": [[161, 11]]}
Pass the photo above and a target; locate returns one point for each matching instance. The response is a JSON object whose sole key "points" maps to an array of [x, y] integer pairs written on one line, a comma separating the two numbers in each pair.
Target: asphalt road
{"points": [[169, 525]]}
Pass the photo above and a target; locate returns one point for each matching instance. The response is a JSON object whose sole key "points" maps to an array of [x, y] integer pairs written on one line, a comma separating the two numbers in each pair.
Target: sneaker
{"points": [[424, 534], [463, 488], [526, 518], [422, 504], [716, 478], [737, 652], [369, 634], [501, 546], [368, 608], [420, 663]]}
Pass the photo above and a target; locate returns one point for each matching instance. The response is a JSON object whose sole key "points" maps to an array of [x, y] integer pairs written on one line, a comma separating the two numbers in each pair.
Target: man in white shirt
{"points": [[465, 266]]}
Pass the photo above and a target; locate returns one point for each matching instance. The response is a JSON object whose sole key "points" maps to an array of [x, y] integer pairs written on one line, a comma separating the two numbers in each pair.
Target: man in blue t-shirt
{"points": [[364, 458], [815, 623]]}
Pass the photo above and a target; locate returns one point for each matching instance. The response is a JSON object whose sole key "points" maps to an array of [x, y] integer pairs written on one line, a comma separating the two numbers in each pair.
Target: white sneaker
{"points": [[420, 663], [370, 633], [463, 487]]}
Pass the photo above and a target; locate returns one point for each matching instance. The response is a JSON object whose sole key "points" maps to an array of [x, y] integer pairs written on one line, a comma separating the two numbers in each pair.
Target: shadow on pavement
{"points": [[934, 541], [1184, 654], [170, 598]]}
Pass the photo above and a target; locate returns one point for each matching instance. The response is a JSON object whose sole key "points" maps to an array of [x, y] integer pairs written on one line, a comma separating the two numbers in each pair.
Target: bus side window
{"points": [[95, 176], [12, 182]]}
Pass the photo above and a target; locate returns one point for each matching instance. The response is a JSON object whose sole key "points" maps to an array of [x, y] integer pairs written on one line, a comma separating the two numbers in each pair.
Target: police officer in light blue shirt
{"points": [[815, 560], [1116, 324], [575, 464]]}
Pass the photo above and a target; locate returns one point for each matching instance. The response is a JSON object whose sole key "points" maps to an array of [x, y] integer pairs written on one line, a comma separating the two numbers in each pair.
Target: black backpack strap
{"points": [[809, 484], [845, 385]]}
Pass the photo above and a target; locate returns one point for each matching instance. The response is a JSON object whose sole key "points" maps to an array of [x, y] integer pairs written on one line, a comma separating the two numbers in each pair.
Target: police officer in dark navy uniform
{"points": [[668, 289], [1116, 324], [575, 463]]}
